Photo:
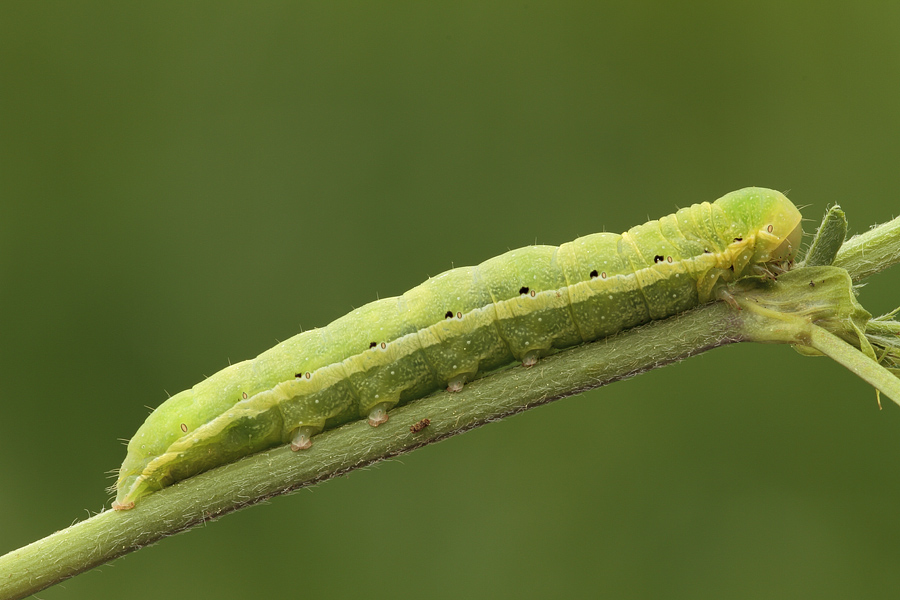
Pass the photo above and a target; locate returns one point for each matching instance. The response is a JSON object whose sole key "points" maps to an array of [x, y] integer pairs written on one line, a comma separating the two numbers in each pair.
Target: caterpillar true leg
{"points": [[764, 271], [724, 294]]}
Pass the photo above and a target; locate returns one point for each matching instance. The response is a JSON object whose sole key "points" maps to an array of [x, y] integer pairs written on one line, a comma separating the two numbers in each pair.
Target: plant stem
{"points": [[871, 252], [834, 347]]}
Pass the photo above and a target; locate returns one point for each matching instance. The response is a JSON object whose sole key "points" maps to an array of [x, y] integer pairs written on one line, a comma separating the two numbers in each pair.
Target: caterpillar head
{"points": [[773, 219], [780, 229]]}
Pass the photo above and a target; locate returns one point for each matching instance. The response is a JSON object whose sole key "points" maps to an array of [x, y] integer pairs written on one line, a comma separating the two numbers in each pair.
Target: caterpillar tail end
{"points": [[131, 489]]}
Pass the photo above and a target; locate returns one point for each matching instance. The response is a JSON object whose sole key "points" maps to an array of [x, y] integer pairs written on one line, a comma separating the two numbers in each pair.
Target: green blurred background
{"points": [[183, 184]]}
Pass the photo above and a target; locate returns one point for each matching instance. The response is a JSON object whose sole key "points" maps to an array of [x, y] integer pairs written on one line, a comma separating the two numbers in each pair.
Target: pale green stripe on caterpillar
{"points": [[516, 306]]}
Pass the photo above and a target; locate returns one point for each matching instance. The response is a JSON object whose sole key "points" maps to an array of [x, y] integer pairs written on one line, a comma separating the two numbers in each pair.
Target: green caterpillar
{"points": [[516, 306]]}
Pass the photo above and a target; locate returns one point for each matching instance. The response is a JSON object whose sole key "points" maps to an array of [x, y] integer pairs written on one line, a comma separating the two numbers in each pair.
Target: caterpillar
{"points": [[518, 306]]}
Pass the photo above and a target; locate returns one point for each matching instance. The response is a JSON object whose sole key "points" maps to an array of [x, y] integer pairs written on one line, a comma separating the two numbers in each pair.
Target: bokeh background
{"points": [[182, 184]]}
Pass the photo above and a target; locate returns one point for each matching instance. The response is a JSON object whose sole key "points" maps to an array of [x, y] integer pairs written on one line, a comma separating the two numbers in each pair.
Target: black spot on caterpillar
{"points": [[425, 349]]}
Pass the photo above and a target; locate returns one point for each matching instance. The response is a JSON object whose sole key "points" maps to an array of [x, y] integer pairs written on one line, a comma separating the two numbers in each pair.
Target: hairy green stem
{"points": [[871, 252], [256, 478], [831, 345]]}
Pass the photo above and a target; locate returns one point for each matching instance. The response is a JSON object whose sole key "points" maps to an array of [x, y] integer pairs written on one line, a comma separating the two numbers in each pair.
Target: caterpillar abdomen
{"points": [[516, 306]]}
